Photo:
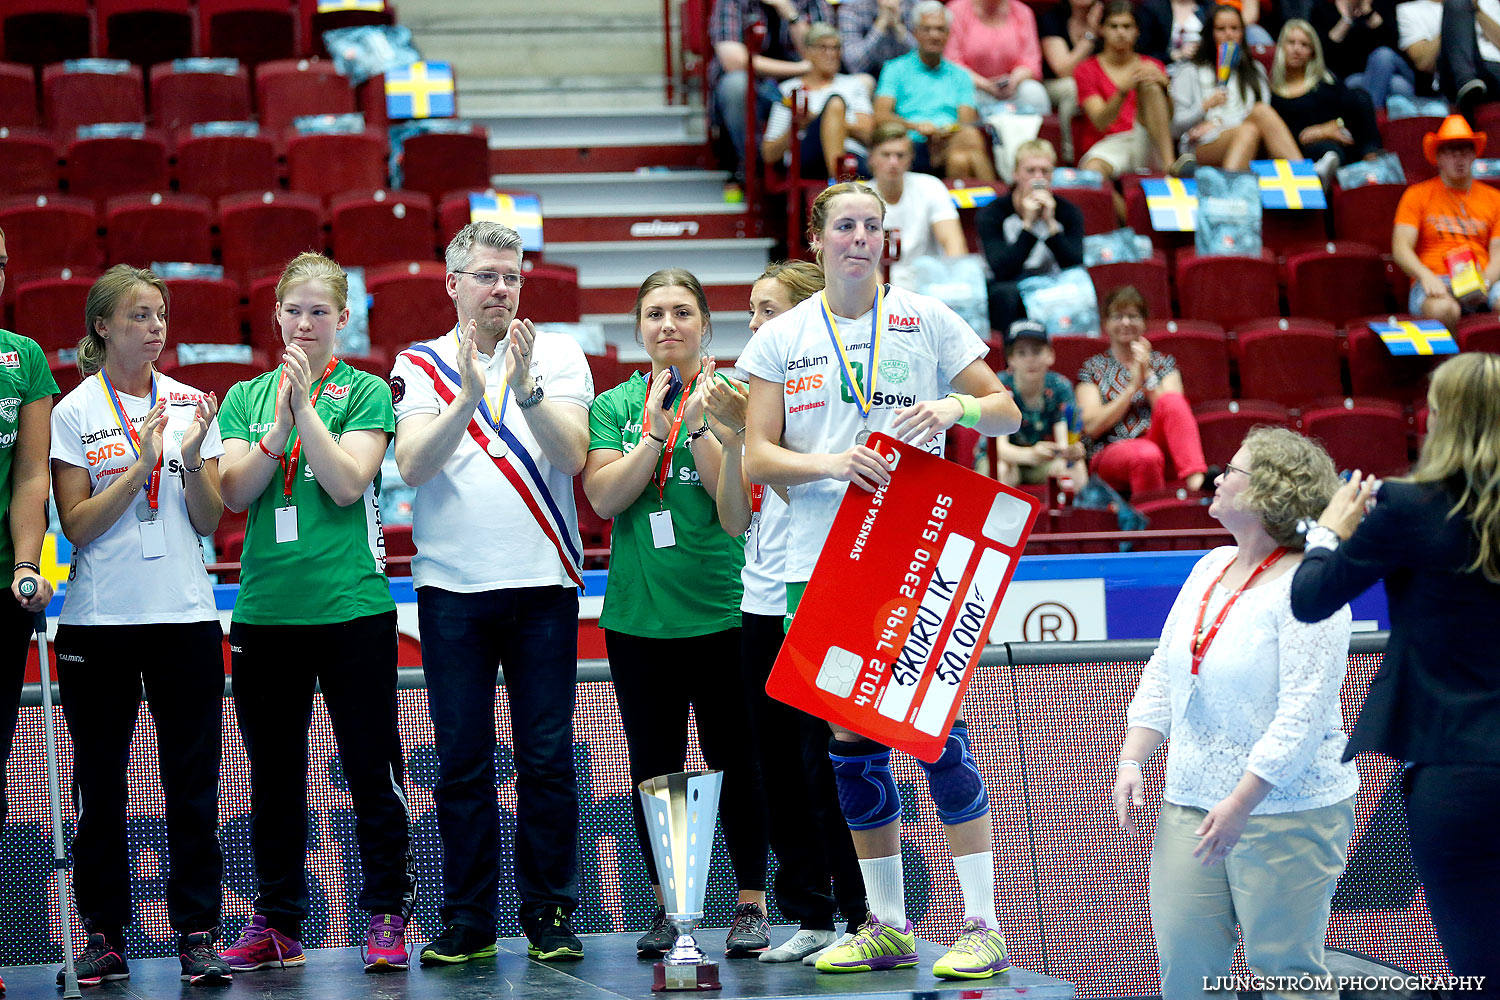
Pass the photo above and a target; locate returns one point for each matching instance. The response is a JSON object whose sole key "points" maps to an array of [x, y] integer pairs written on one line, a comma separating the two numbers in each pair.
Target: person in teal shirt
{"points": [[672, 605], [303, 445]]}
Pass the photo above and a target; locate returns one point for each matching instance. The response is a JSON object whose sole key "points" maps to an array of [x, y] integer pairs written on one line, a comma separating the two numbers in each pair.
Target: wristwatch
{"points": [[533, 399], [1318, 536]]}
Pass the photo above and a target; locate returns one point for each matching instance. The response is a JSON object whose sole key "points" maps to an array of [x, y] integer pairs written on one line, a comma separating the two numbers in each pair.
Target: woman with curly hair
{"points": [[1258, 807]]}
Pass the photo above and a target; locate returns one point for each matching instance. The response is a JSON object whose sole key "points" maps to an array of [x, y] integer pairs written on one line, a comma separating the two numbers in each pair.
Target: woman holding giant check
{"points": [[858, 358]]}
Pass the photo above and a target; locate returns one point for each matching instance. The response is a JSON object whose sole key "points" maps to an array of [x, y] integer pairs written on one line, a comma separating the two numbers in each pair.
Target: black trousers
{"points": [[1458, 52], [1453, 810], [354, 664], [15, 645], [1005, 304], [806, 826], [656, 681], [100, 669]]}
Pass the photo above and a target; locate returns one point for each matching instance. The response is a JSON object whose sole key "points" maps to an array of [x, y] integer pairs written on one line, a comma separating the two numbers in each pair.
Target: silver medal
{"points": [[143, 511], [496, 448], [862, 436]]}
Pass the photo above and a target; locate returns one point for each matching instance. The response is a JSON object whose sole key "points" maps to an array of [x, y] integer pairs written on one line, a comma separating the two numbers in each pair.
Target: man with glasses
{"points": [[491, 428]]}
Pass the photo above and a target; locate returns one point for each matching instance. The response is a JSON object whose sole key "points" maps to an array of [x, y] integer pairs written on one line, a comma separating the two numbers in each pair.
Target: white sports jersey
{"points": [[764, 575]]}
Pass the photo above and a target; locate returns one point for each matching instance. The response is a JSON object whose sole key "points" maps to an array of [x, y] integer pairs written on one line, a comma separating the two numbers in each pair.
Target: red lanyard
{"points": [[757, 497], [153, 487], [1201, 641], [289, 459], [665, 472]]}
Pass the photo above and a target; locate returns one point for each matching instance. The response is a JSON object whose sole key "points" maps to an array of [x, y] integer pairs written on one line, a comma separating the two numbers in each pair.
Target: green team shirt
{"points": [[24, 378], [335, 570], [690, 588]]}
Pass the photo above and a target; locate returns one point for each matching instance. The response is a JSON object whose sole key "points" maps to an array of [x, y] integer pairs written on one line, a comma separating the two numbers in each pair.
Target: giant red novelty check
{"points": [[902, 599]]}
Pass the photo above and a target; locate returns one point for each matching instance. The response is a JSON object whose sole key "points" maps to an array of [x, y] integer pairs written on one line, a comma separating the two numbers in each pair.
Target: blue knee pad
{"points": [[867, 791], [957, 789]]}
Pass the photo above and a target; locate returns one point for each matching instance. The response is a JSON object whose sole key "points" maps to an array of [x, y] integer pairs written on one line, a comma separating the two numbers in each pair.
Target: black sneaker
{"points": [[458, 943], [750, 931], [658, 939], [201, 962], [100, 962], [550, 931]]}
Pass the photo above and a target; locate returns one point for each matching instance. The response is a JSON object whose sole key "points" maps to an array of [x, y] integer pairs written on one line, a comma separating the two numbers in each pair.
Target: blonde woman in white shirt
{"points": [[1258, 809]]}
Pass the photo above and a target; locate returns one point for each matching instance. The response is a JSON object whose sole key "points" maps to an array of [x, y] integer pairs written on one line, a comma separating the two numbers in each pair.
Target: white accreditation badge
{"points": [[153, 539], [662, 535], [286, 524]]}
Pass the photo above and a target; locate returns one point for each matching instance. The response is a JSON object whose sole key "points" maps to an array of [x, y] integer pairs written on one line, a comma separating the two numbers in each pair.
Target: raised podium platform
{"points": [[609, 971]]}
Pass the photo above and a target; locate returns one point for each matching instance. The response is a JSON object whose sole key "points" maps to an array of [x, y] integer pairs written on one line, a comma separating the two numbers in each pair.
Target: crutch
{"points": [[54, 792]]}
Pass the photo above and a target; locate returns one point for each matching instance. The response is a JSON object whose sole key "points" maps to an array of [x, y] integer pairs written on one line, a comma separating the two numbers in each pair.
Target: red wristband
{"points": [[261, 444]]}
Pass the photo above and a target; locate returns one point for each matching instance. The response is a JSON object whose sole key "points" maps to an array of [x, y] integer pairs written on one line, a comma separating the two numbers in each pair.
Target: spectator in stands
{"points": [[812, 442], [488, 410], [1226, 126], [787, 23], [1069, 32], [1434, 701], [1419, 27], [1258, 809], [314, 608], [1468, 59], [1028, 231], [1444, 216], [920, 216], [874, 32], [934, 98], [1031, 453], [134, 503], [24, 488], [1128, 115], [671, 614], [807, 830], [839, 116], [997, 43], [1334, 124], [1359, 39], [1171, 30], [1134, 412]]}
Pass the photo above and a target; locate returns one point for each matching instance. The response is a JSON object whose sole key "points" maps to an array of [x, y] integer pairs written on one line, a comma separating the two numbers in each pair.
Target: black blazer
{"points": [[1436, 697]]}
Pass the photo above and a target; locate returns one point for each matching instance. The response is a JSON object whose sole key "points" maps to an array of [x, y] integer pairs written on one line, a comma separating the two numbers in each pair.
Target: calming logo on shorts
{"points": [[10, 359], [10, 408], [335, 391], [895, 371], [903, 324]]}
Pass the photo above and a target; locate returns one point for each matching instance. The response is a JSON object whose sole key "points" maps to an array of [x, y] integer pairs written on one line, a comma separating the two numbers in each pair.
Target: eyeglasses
{"points": [[489, 278], [1130, 317], [1235, 468], [828, 46]]}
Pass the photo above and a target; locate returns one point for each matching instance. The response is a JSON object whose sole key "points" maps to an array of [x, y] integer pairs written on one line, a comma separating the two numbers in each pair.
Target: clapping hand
{"points": [[522, 337], [727, 404], [192, 440], [1349, 503], [471, 371]]}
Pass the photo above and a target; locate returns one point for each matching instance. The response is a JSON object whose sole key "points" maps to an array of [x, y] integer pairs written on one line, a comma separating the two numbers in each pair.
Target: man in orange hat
{"points": [[1447, 233]]}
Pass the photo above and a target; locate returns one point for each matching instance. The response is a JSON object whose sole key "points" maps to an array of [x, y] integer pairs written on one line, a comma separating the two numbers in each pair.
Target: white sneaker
{"points": [[812, 959], [801, 944], [1327, 169]]}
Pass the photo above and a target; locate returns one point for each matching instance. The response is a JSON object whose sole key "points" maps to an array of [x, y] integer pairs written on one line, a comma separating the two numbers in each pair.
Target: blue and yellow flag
{"points": [[1173, 204], [363, 6], [521, 212], [972, 197], [420, 90], [1416, 336], [1289, 184]]}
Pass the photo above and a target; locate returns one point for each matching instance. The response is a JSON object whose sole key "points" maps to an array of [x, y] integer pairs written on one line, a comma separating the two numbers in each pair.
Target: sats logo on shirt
{"points": [[105, 453], [10, 359], [805, 383], [335, 391]]}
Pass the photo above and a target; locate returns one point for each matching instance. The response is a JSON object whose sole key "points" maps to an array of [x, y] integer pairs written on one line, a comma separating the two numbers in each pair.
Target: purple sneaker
{"points": [[385, 948], [261, 946]]}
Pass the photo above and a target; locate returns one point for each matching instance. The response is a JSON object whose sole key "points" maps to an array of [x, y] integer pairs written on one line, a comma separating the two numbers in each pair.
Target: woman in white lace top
{"points": [[1258, 809]]}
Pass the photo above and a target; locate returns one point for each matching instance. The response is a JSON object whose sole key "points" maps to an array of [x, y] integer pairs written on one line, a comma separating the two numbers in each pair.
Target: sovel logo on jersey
{"points": [[10, 359]]}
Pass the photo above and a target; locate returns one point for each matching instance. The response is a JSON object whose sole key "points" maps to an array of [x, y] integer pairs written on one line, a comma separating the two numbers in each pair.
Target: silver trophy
{"points": [[680, 810]]}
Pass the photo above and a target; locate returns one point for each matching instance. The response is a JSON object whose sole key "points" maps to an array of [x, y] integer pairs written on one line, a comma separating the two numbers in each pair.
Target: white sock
{"points": [[886, 890], [976, 879]]}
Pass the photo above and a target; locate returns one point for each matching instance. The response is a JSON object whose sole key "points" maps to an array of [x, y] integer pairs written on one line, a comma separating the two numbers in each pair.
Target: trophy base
{"points": [[671, 978]]}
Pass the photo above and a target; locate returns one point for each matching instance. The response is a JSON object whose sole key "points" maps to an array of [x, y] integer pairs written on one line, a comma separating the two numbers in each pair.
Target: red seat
{"points": [[71, 99], [65, 373], [50, 310], [373, 361], [1365, 434], [18, 96], [216, 165], [46, 31], [220, 376], [287, 89], [551, 292], [29, 163], [43, 231], [252, 31], [1284, 230], [141, 228], [1288, 361], [1227, 290], [265, 333], [1170, 513], [144, 31], [1069, 354], [315, 22], [1373, 371], [381, 227], [1366, 214], [453, 213], [1403, 136], [1479, 333], [261, 231], [1223, 424], [1202, 359], [326, 165], [1336, 282], [1097, 206], [410, 302], [439, 162], [102, 168], [180, 99], [1149, 277], [205, 311]]}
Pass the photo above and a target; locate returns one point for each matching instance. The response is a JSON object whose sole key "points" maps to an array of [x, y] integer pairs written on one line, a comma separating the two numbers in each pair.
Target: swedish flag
{"points": [[421, 90], [1173, 203], [521, 212], [972, 197], [1420, 336], [1289, 184], [363, 6]]}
